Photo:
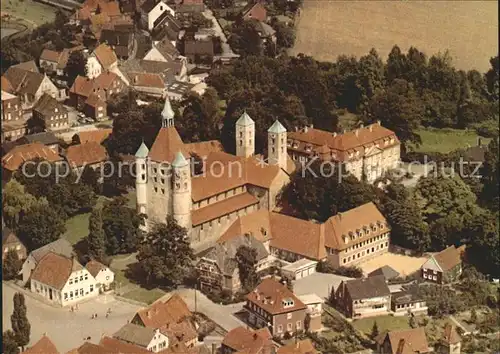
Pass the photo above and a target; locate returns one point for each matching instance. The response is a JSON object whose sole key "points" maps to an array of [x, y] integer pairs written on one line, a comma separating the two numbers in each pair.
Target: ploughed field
{"points": [[468, 29]]}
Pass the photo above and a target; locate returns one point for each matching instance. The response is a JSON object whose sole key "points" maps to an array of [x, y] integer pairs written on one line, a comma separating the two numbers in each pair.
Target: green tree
{"points": [[11, 265], [41, 226], [76, 66], [245, 39], [489, 173], [246, 258], [333, 298], [285, 35], [375, 331], [9, 343], [166, 256], [492, 77], [412, 322], [19, 321], [200, 117], [16, 202], [96, 240], [90, 178], [121, 226]]}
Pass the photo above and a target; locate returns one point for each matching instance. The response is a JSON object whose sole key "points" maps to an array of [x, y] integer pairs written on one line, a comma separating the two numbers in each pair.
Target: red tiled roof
{"points": [[22, 153], [160, 313], [270, 294], [97, 136], [303, 347], [146, 80], [166, 145], [250, 341], [50, 55], [94, 267], [43, 346], [86, 154], [105, 55], [54, 270], [82, 86], [448, 258]]}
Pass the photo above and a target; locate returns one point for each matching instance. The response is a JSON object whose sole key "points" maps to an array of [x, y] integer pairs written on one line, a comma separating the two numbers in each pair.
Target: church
{"points": [[229, 186]]}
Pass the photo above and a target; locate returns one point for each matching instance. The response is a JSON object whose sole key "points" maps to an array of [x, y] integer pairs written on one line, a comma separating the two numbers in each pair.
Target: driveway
{"points": [[223, 315], [318, 283], [65, 328], [226, 49]]}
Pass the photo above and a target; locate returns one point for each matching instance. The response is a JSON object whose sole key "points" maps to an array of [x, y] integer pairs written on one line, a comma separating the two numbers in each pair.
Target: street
{"points": [[65, 328]]}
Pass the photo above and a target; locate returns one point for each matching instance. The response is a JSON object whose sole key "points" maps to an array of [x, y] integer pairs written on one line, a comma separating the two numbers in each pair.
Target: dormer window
{"points": [[289, 142], [351, 235], [295, 144], [287, 302], [308, 147]]}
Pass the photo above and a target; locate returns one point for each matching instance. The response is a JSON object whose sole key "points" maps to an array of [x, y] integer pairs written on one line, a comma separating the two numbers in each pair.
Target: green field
{"points": [[446, 140], [384, 323], [30, 11], [144, 295]]}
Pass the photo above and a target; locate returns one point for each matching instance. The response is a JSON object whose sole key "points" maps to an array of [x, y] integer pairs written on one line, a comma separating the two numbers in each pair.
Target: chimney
{"points": [[306, 129], [148, 314], [334, 134], [361, 125], [296, 129], [371, 128], [311, 126], [214, 348], [378, 122], [356, 132]]}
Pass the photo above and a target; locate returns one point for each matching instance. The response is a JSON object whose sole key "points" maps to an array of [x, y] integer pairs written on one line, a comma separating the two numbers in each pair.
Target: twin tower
{"points": [[276, 141]]}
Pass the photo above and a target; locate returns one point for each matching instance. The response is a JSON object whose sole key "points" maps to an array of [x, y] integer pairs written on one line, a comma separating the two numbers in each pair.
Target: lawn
{"points": [[33, 12], [144, 295], [384, 323], [446, 140]]}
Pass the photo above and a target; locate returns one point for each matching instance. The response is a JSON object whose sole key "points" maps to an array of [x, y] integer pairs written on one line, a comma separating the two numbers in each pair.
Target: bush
{"points": [[351, 272], [287, 335]]}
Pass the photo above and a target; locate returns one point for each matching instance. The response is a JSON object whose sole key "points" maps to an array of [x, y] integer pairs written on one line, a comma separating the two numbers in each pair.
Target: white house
{"points": [[62, 280], [94, 68], [152, 10], [102, 274], [149, 338]]}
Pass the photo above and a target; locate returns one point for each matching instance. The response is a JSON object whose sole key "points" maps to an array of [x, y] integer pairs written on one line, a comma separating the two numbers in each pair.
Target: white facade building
{"points": [[149, 338], [102, 274]]}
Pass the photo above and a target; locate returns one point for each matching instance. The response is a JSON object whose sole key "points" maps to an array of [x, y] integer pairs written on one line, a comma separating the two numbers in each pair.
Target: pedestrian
{"points": [[96, 315], [107, 315]]}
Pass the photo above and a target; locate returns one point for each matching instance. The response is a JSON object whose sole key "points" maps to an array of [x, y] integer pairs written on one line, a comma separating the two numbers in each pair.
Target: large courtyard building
{"points": [[366, 152]]}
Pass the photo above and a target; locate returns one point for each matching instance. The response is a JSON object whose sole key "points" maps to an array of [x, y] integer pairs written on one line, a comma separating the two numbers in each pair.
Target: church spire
{"points": [[167, 114]]}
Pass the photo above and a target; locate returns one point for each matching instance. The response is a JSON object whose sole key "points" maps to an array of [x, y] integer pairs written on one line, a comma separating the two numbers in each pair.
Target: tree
{"points": [[76, 66], [285, 35], [19, 321], [492, 77], [473, 315], [374, 332], [60, 20], [246, 257], [245, 39], [489, 173], [96, 239], [16, 202], [413, 323], [9, 343], [11, 265], [201, 117], [121, 226], [90, 178], [165, 256], [333, 298], [41, 226]]}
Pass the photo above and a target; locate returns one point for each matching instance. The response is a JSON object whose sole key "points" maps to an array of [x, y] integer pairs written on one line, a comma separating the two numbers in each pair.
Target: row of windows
{"points": [[62, 124], [367, 242], [59, 116], [9, 105], [77, 293], [16, 248], [362, 254], [9, 116], [289, 327], [75, 280]]}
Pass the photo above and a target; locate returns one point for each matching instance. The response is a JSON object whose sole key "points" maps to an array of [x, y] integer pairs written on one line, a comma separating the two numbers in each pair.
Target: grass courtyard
{"points": [[33, 12], [384, 323], [446, 140]]}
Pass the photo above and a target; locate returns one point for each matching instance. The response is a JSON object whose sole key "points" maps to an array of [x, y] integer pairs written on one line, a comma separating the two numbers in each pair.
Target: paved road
{"points": [[226, 49], [317, 283], [67, 329], [223, 315]]}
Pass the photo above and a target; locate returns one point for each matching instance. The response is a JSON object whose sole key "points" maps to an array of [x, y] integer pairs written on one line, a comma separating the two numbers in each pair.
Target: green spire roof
{"points": [[245, 120], [142, 152], [179, 160], [277, 128]]}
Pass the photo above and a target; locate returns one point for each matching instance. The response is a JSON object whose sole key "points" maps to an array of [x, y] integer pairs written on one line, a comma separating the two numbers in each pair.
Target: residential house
{"points": [[301, 347], [97, 136], [149, 84], [366, 152], [62, 281], [170, 72], [167, 27], [105, 58], [90, 348], [29, 86], [218, 270], [27, 66], [450, 342], [408, 302], [121, 42], [177, 90], [102, 274], [148, 338], [49, 114], [402, 342], [46, 138], [95, 107], [345, 239], [364, 297], [314, 312], [152, 11], [272, 305], [89, 154], [49, 60], [444, 267], [266, 32], [173, 318], [255, 10], [162, 50], [245, 340], [13, 123], [110, 83], [388, 272], [43, 346], [20, 154], [10, 242], [60, 246], [199, 51]]}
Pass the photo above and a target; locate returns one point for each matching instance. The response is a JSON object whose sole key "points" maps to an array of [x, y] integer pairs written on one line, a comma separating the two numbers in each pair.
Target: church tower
{"points": [[167, 114], [181, 191], [276, 145], [245, 136], [141, 178]]}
